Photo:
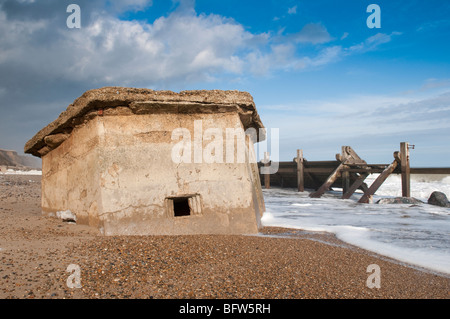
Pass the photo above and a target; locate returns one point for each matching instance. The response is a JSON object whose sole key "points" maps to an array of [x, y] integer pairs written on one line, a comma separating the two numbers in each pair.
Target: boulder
{"points": [[438, 199], [400, 200]]}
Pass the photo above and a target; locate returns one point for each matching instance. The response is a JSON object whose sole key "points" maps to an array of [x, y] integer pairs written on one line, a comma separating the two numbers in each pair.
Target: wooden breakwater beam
{"points": [[358, 183], [368, 195], [303, 174], [350, 164], [348, 159], [330, 180]]}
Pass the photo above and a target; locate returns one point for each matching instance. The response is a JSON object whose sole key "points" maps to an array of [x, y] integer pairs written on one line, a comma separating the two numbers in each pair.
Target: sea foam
{"points": [[414, 234]]}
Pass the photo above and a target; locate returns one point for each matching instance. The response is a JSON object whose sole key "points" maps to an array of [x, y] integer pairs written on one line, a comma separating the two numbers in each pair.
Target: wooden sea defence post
{"points": [[368, 195], [266, 176], [405, 169], [345, 174], [347, 159], [300, 177], [356, 184], [348, 170]]}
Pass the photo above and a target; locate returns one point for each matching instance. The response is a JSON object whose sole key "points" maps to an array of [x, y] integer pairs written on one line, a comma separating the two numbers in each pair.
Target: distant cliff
{"points": [[11, 158]]}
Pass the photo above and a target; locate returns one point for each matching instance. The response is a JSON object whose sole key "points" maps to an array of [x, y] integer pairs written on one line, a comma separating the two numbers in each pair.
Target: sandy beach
{"points": [[35, 252]]}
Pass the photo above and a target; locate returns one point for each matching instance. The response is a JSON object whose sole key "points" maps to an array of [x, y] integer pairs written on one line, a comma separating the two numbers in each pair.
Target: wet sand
{"points": [[35, 252]]}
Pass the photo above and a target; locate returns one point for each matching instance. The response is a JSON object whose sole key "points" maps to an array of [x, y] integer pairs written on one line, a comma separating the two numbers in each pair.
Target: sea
{"points": [[418, 235]]}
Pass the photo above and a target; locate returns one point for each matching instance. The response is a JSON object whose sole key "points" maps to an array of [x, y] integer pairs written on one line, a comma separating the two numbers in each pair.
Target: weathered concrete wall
{"points": [[137, 174], [70, 176]]}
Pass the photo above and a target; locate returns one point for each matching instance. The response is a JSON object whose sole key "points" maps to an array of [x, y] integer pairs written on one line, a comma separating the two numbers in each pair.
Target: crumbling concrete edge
{"points": [[59, 130]]}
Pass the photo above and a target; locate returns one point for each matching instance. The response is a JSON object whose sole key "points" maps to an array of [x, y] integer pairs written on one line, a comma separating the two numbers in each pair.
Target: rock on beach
{"points": [[438, 199], [400, 200]]}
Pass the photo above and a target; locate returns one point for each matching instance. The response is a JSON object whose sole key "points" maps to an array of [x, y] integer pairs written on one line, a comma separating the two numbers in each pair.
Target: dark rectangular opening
{"points": [[181, 206]]}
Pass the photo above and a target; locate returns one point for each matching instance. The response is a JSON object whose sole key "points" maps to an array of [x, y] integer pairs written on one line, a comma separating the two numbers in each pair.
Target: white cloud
{"points": [[356, 115], [433, 25], [129, 5], [14, 35], [292, 10], [373, 125], [114, 50], [327, 55], [435, 83], [373, 42], [183, 46], [314, 33]]}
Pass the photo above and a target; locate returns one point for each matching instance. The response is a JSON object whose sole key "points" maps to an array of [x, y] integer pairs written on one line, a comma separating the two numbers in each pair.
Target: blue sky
{"points": [[314, 68]]}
